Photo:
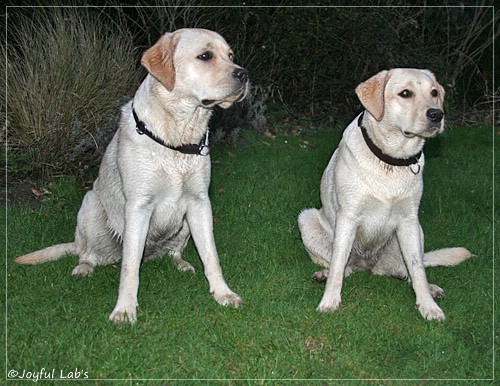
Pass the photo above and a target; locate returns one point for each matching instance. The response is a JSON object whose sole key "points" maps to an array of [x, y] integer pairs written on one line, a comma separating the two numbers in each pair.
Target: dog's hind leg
{"points": [[181, 241], [317, 239], [391, 263], [95, 241]]}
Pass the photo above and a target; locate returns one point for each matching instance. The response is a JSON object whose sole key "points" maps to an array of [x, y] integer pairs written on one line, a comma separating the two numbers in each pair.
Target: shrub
{"points": [[68, 71]]}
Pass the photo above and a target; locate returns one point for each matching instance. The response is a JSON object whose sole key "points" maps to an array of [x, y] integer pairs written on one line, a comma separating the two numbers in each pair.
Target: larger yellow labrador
{"points": [[371, 191], [152, 190]]}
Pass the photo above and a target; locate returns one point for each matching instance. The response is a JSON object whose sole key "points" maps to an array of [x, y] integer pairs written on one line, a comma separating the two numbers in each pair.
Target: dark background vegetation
{"points": [[70, 68]]}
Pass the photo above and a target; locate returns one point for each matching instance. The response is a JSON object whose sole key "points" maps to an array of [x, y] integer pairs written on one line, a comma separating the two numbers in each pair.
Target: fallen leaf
{"points": [[269, 135], [308, 144], [36, 192]]}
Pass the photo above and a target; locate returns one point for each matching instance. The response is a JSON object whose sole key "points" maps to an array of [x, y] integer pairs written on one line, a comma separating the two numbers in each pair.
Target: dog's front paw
{"points": [[431, 312], [124, 314], [228, 299], [328, 305]]}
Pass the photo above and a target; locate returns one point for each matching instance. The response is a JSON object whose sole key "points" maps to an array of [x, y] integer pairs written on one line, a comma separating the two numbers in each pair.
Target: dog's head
{"points": [[197, 63], [408, 99]]}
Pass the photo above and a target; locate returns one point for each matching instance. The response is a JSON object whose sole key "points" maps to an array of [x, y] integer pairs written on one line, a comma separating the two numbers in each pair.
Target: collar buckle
{"points": [[203, 149]]}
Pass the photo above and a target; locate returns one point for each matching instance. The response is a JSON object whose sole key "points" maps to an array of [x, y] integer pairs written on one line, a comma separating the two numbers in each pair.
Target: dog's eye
{"points": [[206, 56], [231, 56], [434, 93], [405, 93]]}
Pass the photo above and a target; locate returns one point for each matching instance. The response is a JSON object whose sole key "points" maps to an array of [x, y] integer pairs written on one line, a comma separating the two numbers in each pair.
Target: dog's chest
{"points": [[167, 220], [173, 188], [378, 222]]}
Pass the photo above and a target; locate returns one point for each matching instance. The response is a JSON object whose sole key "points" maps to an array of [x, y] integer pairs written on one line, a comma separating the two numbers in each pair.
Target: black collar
{"points": [[381, 155], [200, 149]]}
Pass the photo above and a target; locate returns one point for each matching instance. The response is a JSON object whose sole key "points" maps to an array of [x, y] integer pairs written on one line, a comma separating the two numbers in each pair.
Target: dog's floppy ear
{"points": [[371, 94], [159, 60]]}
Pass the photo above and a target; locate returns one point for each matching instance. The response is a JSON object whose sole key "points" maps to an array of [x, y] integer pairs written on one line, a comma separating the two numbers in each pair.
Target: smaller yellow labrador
{"points": [[151, 194], [371, 190]]}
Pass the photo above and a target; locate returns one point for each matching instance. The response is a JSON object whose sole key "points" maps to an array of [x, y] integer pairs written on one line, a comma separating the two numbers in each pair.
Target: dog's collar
{"points": [[381, 155], [200, 149]]}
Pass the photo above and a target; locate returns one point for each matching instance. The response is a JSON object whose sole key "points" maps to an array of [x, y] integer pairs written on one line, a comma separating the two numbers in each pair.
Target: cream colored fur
{"points": [[369, 218], [148, 199]]}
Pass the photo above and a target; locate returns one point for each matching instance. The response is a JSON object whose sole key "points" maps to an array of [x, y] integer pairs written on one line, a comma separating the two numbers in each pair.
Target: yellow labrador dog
{"points": [[371, 191], [152, 190]]}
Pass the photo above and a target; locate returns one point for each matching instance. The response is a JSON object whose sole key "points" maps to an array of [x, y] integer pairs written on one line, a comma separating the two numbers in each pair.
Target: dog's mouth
{"points": [[428, 133], [236, 96], [208, 103]]}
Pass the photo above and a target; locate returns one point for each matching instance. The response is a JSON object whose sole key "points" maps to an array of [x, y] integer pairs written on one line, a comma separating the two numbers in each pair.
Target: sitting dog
{"points": [[152, 190], [371, 190]]}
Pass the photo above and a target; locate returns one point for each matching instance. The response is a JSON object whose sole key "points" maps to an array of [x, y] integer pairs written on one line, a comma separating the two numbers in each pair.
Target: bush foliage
{"points": [[68, 72], [69, 69]]}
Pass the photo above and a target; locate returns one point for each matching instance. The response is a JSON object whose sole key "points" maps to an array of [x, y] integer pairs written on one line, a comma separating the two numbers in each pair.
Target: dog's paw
{"points": [[431, 312], [124, 315], [320, 276], [83, 269], [184, 266], [228, 299], [328, 305], [436, 291]]}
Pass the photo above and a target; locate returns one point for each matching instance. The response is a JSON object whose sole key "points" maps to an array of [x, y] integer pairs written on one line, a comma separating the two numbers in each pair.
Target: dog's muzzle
{"points": [[434, 127], [238, 95]]}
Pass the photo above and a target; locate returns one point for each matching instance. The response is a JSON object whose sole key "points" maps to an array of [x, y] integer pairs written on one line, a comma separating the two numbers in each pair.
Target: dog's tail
{"points": [[48, 254], [446, 257]]}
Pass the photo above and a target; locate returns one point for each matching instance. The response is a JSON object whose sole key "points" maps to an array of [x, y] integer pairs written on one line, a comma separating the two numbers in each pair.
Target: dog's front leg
{"points": [[137, 218], [344, 234], [410, 240], [199, 217]]}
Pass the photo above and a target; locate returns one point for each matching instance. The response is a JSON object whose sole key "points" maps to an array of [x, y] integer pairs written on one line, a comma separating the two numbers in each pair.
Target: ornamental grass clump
{"points": [[68, 71]]}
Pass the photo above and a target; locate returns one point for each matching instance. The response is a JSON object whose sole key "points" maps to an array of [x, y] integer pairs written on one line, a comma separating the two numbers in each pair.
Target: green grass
{"points": [[58, 322]]}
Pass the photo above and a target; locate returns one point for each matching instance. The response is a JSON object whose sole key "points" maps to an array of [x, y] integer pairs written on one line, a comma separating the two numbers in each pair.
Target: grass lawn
{"points": [[60, 323]]}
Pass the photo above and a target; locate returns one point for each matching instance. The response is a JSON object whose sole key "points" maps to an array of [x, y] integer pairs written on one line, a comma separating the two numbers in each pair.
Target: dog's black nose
{"points": [[241, 74], [435, 115]]}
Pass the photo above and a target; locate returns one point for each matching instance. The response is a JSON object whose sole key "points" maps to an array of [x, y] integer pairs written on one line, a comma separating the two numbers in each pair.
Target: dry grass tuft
{"points": [[68, 71]]}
